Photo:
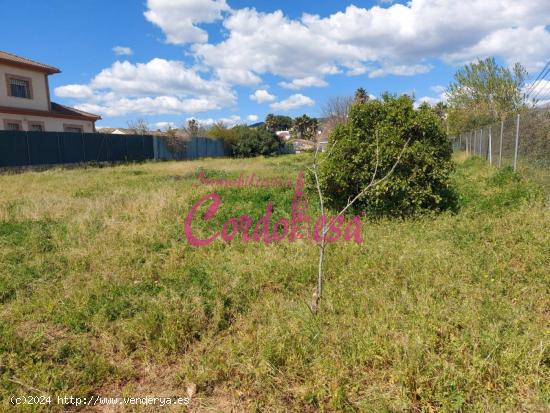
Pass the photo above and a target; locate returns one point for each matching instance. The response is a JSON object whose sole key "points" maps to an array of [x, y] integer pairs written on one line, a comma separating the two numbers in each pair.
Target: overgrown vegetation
{"points": [[248, 142], [100, 294], [371, 140], [484, 92]]}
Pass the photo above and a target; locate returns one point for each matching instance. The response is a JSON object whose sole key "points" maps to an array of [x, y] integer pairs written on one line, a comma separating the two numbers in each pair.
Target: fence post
{"points": [[83, 147], [500, 150], [59, 157], [475, 142], [155, 148], [517, 144], [490, 145], [28, 149], [480, 142]]}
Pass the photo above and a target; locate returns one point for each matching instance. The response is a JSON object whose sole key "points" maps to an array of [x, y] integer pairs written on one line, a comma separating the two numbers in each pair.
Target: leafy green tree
{"points": [[253, 142], [483, 92], [372, 139], [276, 123], [305, 127], [220, 131]]}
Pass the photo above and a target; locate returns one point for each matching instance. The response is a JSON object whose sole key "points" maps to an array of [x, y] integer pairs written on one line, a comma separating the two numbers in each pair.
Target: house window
{"points": [[72, 128], [13, 125], [19, 87], [36, 127]]}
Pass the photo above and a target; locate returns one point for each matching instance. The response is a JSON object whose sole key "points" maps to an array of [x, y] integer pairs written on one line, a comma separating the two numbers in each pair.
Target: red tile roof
{"points": [[14, 60]]}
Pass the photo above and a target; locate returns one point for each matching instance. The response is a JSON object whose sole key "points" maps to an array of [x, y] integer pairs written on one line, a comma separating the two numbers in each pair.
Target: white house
{"points": [[283, 134], [25, 99]]}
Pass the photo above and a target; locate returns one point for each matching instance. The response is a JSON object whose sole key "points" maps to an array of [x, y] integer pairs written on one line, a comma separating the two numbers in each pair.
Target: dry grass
{"points": [[101, 294]]}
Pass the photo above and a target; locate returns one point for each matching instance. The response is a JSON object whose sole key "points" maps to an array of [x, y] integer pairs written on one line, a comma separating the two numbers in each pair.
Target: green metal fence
{"points": [[18, 148]]}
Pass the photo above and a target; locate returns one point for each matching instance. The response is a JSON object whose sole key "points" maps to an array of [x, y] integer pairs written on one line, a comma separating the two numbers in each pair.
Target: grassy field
{"points": [[101, 294]]}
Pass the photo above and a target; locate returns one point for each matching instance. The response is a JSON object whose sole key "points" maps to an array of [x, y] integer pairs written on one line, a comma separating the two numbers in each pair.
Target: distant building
{"points": [[25, 103], [323, 145], [283, 134]]}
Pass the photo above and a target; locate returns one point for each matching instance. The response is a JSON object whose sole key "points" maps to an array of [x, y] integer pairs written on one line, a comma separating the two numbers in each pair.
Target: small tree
{"points": [[336, 109], [375, 133], [140, 126], [220, 131], [334, 112], [250, 142], [176, 142]]}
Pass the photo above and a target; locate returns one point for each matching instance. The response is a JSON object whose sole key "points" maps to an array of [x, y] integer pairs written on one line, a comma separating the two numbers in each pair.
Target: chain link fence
{"points": [[521, 142]]}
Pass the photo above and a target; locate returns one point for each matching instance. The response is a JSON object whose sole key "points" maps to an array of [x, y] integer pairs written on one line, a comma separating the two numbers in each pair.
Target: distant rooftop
{"points": [[14, 60]]}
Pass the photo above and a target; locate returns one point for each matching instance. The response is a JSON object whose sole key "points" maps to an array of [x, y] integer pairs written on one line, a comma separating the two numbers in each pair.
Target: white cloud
{"points": [[157, 77], [74, 91], [228, 121], [262, 96], [528, 45], [397, 39], [252, 118], [432, 100], [438, 88], [156, 87], [122, 51], [272, 43], [401, 70], [539, 91], [165, 125], [309, 81], [238, 77], [178, 19], [160, 105], [293, 102], [427, 99], [392, 39]]}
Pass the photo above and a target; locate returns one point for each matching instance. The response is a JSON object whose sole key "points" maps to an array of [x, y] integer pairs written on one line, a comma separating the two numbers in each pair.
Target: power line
{"points": [[540, 76], [530, 88], [543, 90], [544, 87]]}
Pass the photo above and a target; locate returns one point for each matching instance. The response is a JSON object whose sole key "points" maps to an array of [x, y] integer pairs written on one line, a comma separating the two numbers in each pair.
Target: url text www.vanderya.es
{"points": [[99, 401]]}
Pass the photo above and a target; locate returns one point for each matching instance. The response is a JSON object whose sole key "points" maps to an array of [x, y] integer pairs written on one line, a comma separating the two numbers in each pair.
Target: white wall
{"points": [[50, 124], [39, 99]]}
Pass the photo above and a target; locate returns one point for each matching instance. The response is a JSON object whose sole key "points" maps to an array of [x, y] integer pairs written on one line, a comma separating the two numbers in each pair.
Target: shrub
{"points": [[421, 180], [176, 142], [249, 142]]}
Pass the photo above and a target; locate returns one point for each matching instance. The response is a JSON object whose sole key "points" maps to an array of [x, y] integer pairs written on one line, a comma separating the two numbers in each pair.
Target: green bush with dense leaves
{"points": [[420, 181], [248, 142]]}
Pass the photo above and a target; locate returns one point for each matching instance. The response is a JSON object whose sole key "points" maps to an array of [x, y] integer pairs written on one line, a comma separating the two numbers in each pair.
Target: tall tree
{"points": [[484, 92], [305, 127], [193, 128], [276, 123], [361, 95]]}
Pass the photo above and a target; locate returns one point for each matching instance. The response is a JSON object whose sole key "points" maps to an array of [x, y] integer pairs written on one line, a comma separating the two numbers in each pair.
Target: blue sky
{"points": [[206, 58]]}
